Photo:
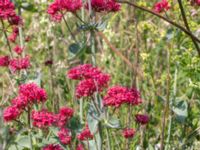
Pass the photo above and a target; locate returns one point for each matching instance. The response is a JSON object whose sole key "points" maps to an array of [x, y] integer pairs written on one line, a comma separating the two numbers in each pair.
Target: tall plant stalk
{"points": [[166, 106]]}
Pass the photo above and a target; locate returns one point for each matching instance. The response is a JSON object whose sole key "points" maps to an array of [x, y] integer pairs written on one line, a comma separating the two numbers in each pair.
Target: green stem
{"points": [[29, 125], [166, 109], [108, 138]]}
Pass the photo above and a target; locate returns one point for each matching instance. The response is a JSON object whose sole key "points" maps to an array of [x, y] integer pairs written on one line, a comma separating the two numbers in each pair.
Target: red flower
{"points": [[118, 95], [197, 2], [64, 136], [11, 113], [4, 61], [128, 133], [33, 93], [64, 115], [93, 80], [58, 7], [13, 37], [43, 119], [161, 6], [85, 134], [7, 9], [85, 88], [15, 20], [85, 71], [17, 64], [104, 5], [18, 49], [52, 147], [142, 119], [20, 102], [80, 147]]}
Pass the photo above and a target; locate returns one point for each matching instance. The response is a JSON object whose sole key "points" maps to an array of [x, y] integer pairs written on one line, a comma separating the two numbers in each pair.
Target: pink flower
{"points": [[43, 118], [20, 102], [118, 95], [104, 5], [17, 64], [33, 92], [18, 49], [52, 147], [11, 113], [65, 113], [4, 61], [161, 6], [7, 9], [64, 136], [85, 134], [128, 133], [80, 147], [142, 119], [58, 7]]}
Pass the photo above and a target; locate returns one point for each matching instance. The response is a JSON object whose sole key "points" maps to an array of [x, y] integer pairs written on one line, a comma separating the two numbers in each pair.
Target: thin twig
{"points": [[118, 53], [68, 27], [7, 40]]}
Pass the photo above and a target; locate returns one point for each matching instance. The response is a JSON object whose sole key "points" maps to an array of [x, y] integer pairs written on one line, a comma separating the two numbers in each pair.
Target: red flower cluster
{"points": [[33, 93], [7, 12], [65, 113], [85, 134], [17, 64], [20, 102], [11, 113], [18, 49], [161, 6], [52, 147], [128, 133], [59, 7], [7, 9], [4, 61], [142, 119], [28, 94], [104, 5], [197, 2], [64, 136], [13, 36], [118, 95], [92, 80], [43, 118], [80, 147]]}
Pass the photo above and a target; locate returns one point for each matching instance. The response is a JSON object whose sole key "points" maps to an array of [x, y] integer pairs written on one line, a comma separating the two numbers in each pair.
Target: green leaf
{"points": [[113, 123], [92, 119], [74, 48], [23, 141], [181, 110]]}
